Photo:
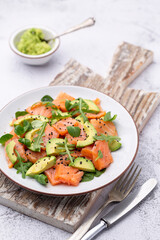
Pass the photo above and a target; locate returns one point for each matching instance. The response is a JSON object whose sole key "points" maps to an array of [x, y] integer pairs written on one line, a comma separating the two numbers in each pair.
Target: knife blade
{"points": [[122, 208]]}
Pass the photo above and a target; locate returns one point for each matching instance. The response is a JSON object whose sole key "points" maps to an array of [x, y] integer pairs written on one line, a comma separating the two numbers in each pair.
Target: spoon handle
{"points": [[88, 22]]}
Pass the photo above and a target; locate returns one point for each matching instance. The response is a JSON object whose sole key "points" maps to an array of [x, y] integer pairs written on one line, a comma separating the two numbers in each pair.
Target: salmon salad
{"points": [[65, 140]]}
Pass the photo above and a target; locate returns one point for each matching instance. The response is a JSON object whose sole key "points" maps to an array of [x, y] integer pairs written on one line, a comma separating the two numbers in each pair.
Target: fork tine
{"points": [[126, 177], [133, 183], [118, 182], [129, 181]]}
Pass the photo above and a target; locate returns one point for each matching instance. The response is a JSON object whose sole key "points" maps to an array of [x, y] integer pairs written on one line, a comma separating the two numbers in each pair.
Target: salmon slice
{"points": [[50, 173], [50, 132], [62, 160], [34, 156], [61, 126], [106, 160], [61, 99], [87, 152], [68, 175], [40, 109], [82, 136], [103, 127]]}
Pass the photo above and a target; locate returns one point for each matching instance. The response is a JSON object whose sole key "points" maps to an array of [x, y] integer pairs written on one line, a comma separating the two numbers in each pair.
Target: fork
{"points": [[120, 191]]}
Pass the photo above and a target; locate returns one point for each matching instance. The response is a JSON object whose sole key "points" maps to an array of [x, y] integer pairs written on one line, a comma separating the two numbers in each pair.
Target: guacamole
{"points": [[31, 42]]}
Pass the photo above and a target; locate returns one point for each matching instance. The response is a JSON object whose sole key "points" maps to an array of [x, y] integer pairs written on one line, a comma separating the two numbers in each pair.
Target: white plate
{"points": [[122, 158]]}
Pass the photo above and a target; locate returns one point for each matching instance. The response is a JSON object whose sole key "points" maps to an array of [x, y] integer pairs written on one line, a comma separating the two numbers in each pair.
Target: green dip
{"points": [[31, 42]]}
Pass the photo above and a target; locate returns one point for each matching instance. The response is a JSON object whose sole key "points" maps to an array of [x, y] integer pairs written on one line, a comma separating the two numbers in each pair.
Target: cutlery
{"points": [[87, 23], [122, 208], [120, 190]]}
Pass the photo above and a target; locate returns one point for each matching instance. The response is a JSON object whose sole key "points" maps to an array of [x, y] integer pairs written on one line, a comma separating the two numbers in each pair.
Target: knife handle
{"points": [[94, 231]]}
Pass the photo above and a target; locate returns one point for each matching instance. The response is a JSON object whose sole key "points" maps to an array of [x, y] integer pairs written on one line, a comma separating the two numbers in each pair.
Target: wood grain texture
{"points": [[68, 212]]}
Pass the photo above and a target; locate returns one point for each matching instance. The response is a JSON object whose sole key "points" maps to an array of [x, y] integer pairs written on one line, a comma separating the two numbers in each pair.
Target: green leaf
{"points": [[88, 176], [107, 138], [100, 155], [46, 98], [81, 111], [25, 141], [50, 104], [5, 138], [21, 164], [38, 140], [20, 113], [108, 117], [68, 104], [20, 130], [36, 124], [27, 126], [74, 131], [99, 173], [26, 166], [41, 178]]}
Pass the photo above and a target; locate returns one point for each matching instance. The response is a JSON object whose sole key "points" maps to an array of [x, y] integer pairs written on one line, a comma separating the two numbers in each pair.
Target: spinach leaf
{"points": [[74, 131], [88, 176], [20, 113], [20, 130], [100, 155], [108, 117], [81, 111], [68, 104], [38, 140], [25, 141], [36, 124], [46, 98], [41, 178], [5, 138]]}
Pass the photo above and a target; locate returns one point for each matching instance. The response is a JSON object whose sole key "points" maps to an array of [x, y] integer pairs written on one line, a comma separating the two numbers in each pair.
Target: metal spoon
{"points": [[87, 23]]}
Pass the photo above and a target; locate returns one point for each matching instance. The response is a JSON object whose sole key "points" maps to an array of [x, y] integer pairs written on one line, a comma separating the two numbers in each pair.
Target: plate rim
{"points": [[85, 192]]}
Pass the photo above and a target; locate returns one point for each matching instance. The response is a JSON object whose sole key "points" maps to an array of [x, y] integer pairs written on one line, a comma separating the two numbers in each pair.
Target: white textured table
{"points": [[133, 21]]}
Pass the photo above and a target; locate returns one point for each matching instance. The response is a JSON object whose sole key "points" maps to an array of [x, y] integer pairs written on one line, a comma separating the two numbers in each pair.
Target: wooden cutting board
{"points": [[68, 212]]}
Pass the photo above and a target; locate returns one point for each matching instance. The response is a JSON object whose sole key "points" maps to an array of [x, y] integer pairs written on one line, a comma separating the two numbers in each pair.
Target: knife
{"points": [[122, 208]]}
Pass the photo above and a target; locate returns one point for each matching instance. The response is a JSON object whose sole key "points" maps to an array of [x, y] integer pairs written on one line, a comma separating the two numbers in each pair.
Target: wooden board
{"points": [[68, 212]]}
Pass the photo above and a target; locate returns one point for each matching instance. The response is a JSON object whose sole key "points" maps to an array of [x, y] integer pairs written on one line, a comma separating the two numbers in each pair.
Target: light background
{"points": [[135, 21]]}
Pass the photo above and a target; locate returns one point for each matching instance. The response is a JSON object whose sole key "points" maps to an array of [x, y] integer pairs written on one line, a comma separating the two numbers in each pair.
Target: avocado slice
{"points": [[91, 104], [10, 151], [63, 114], [91, 132], [83, 164], [29, 118], [51, 146], [41, 165], [30, 135], [114, 145]]}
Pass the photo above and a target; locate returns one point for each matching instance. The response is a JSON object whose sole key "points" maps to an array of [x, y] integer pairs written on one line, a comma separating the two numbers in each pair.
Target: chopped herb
{"points": [[5, 138], [108, 117], [38, 140], [46, 98], [74, 131], [20, 113], [21, 166], [100, 155]]}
